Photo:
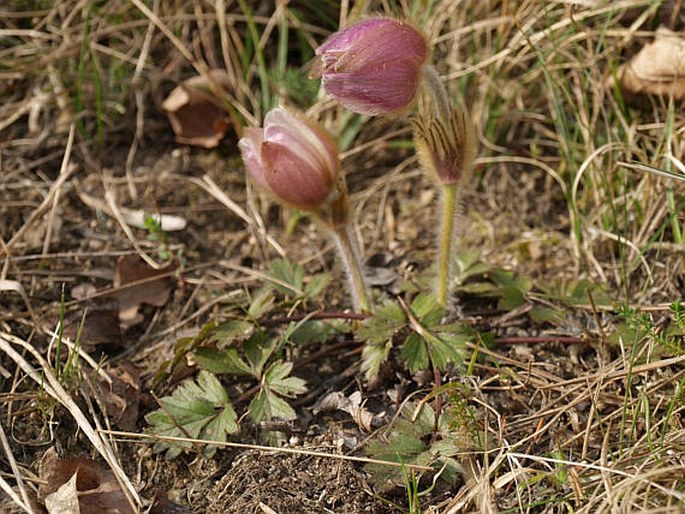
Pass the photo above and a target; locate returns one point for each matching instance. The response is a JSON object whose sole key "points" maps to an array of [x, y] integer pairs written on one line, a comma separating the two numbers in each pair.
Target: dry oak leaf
{"points": [[137, 283], [197, 116], [659, 68], [352, 404], [78, 485], [98, 325], [122, 395]]}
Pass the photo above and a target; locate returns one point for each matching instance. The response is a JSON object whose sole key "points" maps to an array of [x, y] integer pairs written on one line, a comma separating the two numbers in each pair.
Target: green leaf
{"points": [[267, 405], [505, 278], [444, 348], [187, 344], [276, 378], [427, 310], [221, 361], [678, 314], [415, 353], [315, 331], [438, 457], [373, 355], [579, 295], [404, 443], [232, 329], [258, 349], [317, 283], [258, 408], [262, 303], [400, 442], [378, 332], [423, 305], [510, 298], [288, 273], [201, 410], [466, 265], [381, 327], [422, 416], [545, 315], [478, 288], [576, 293]]}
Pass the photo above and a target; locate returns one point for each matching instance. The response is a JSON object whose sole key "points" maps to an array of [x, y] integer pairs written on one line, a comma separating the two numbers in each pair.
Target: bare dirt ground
{"points": [[570, 262]]}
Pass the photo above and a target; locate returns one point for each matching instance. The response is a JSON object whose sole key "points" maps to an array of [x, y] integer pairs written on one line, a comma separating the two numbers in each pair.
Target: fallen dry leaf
{"points": [[353, 405], [161, 504], [197, 116], [78, 485], [98, 326], [122, 395], [659, 68], [137, 284]]}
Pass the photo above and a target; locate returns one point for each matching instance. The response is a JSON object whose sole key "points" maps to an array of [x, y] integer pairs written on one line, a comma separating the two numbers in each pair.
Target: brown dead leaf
{"points": [[122, 395], [76, 485], [137, 284], [658, 69], [353, 405], [161, 504], [98, 325], [197, 116]]}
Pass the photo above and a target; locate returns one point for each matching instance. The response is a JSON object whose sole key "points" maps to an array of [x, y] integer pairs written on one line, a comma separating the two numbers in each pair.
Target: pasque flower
{"points": [[372, 67], [293, 158]]}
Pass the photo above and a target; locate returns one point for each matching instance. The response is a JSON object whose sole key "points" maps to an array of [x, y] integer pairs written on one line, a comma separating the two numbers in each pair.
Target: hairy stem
{"points": [[438, 92], [445, 257], [347, 249]]}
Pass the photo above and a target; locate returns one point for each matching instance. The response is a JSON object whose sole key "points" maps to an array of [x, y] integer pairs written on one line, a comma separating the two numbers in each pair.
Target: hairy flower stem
{"points": [[441, 102], [342, 236], [444, 143], [445, 257]]}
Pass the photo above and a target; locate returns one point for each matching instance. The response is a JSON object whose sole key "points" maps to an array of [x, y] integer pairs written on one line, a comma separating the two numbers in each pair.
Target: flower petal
{"points": [[307, 139], [250, 149], [373, 67], [292, 178], [374, 91], [387, 44], [342, 40]]}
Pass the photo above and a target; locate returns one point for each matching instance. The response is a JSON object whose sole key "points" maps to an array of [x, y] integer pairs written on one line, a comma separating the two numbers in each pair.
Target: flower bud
{"points": [[372, 67], [446, 146], [294, 159]]}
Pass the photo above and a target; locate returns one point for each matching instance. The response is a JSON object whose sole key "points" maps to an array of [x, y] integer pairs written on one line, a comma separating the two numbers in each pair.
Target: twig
{"points": [[642, 368], [26, 504], [542, 339], [64, 175], [322, 315], [296, 451]]}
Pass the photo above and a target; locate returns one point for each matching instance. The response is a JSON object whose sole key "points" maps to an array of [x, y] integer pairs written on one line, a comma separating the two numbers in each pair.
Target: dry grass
{"points": [[595, 426]]}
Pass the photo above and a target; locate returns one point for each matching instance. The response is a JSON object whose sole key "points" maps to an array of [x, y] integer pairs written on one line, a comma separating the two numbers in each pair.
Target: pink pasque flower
{"points": [[372, 67], [293, 158]]}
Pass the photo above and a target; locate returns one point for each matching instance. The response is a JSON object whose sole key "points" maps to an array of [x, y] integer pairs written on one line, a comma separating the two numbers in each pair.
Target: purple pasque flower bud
{"points": [[372, 67], [446, 145], [294, 159]]}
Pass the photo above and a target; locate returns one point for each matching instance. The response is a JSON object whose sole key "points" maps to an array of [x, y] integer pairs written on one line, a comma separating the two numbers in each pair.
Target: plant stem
{"points": [[449, 210], [341, 234], [441, 101]]}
